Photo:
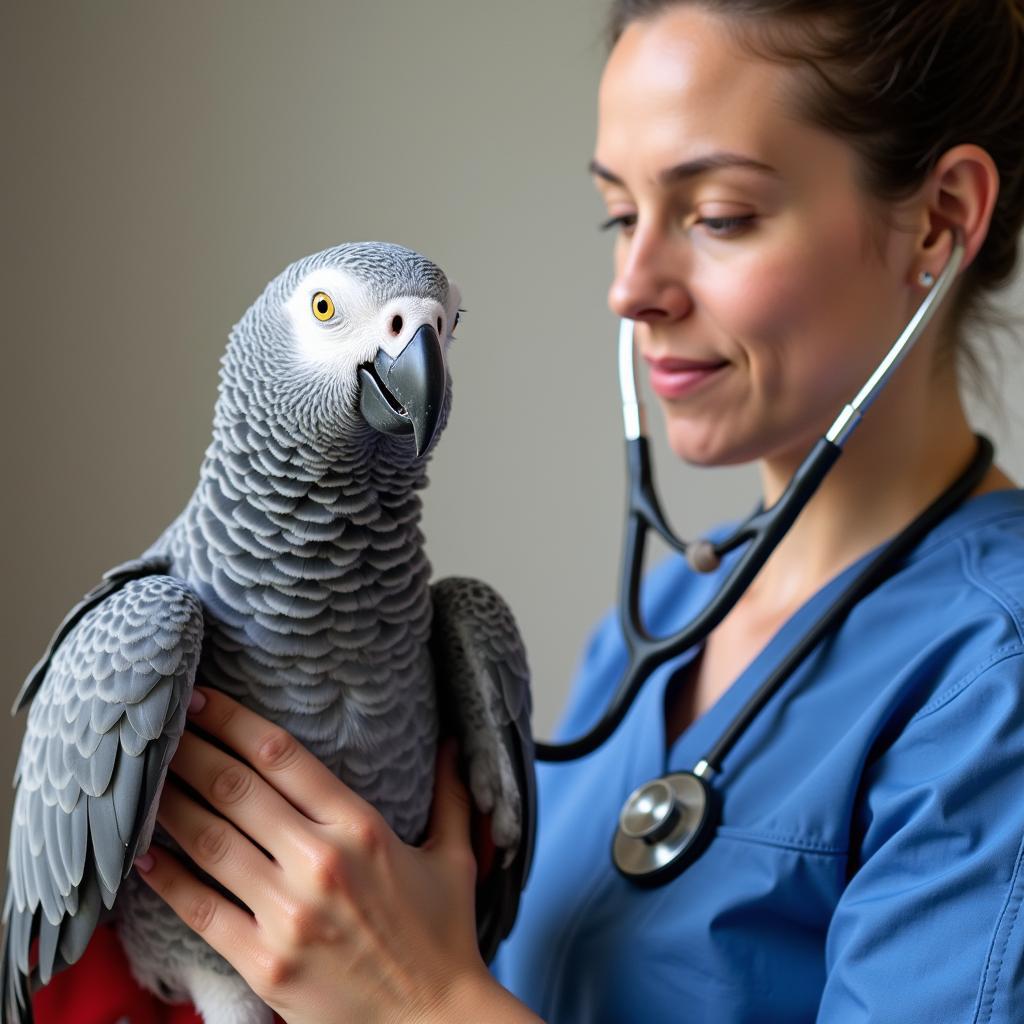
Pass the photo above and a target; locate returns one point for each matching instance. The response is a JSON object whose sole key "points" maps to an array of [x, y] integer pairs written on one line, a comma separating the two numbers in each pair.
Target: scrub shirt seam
{"points": [[1003, 653], [972, 571], [930, 544], [794, 843], [995, 960]]}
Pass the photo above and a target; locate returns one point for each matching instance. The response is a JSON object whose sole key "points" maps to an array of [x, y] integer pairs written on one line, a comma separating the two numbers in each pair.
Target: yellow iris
{"points": [[323, 306]]}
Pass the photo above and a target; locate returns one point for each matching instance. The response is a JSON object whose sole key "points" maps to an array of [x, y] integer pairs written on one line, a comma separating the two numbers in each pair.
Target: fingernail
{"points": [[144, 862], [197, 703]]}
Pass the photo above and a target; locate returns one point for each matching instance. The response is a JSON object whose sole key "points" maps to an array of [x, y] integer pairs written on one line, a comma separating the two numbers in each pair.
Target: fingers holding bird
{"points": [[338, 896], [240, 794], [217, 847], [242, 831], [265, 791], [300, 778]]}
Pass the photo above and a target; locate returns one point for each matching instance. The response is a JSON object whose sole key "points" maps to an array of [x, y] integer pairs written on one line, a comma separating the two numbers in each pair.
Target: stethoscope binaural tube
{"points": [[764, 528], [666, 823]]}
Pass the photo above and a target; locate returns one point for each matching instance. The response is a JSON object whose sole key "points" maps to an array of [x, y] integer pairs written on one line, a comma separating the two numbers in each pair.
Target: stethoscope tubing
{"points": [[883, 565], [764, 529]]}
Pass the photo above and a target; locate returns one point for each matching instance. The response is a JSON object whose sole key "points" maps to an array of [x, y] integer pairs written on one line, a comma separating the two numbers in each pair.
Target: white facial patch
{"points": [[358, 328], [342, 342]]}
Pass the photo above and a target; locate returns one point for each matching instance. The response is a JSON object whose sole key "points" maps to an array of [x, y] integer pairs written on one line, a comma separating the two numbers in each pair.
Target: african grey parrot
{"points": [[295, 580]]}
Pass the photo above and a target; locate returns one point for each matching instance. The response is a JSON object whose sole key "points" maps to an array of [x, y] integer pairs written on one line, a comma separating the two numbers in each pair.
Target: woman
{"points": [[784, 184]]}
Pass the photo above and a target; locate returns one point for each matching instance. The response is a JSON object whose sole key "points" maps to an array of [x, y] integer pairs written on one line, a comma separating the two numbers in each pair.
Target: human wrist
{"points": [[474, 997]]}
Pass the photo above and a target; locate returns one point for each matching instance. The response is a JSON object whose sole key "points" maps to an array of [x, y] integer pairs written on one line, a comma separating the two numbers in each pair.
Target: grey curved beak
{"points": [[405, 395]]}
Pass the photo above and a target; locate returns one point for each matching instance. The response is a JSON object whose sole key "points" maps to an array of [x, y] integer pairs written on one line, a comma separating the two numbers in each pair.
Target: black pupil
{"points": [[438, 325], [322, 306], [458, 317], [396, 324]]}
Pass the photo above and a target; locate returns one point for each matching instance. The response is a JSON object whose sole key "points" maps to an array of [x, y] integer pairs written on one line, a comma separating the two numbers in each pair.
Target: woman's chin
{"points": [[706, 447]]}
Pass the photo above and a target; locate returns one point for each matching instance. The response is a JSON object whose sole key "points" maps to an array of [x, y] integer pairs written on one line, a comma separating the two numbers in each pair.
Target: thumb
{"points": [[449, 818]]}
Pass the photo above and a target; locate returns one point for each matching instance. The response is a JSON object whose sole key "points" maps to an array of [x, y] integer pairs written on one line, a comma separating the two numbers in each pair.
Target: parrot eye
{"points": [[323, 306]]}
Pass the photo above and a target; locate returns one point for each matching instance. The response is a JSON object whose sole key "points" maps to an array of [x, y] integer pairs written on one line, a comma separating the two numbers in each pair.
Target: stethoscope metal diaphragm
{"points": [[663, 826]]}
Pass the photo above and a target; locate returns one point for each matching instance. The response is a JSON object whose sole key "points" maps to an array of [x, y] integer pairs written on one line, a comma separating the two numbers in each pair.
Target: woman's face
{"points": [[764, 285]]}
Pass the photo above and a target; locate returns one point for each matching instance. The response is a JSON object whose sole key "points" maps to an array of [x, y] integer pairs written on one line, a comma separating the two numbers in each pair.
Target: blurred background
{"points": [[164, 161]]}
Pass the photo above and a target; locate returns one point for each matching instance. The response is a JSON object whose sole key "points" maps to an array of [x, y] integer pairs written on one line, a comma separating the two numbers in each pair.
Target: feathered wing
{"points": [[108, 704], [484, 691]]}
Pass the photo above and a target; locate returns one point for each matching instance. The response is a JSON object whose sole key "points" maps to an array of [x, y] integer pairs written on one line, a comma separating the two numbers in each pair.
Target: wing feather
{"points": [[79, 821], [51, 847], [108, 705], [16, 894], [77, 929], [22, 930], [125, 794], [148, 716], [103, 716], [107, 850], [113, 579], [101, 764], [485, 688], [52, 904], [49, 933]]}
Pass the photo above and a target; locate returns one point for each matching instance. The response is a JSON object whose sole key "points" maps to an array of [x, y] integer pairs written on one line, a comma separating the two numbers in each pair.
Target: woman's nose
{"points": [[649, 283]]}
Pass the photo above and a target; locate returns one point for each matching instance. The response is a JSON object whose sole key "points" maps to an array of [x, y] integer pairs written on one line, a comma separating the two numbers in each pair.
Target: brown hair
{"points": [[903, 81]]}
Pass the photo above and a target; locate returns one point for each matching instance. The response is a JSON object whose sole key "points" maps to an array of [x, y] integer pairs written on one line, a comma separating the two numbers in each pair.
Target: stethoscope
{"points": [[665, 824]]}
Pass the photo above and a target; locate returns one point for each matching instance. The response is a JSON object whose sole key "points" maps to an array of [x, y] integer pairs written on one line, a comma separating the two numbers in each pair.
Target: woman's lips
{"points": [[674, 378]]}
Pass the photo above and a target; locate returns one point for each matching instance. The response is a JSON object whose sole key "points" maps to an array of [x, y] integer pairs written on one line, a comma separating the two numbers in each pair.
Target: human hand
{"points": [[347, 922]]}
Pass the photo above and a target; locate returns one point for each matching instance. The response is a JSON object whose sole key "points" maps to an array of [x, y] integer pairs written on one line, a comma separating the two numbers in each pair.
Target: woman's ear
{"points": [[960, 193]]}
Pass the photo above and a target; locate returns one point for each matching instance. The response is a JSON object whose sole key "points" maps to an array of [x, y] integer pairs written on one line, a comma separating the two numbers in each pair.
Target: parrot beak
{"points": [[405, 395]]}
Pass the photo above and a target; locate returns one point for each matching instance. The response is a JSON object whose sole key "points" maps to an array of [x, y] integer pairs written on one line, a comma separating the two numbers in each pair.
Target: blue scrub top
{"points": [[869, 865]]}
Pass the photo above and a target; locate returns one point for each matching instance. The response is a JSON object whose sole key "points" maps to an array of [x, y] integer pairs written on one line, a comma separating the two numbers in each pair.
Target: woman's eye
{"points": [[726, 227], [624, 221], [455, 322], [719, 227], [323, 306]]}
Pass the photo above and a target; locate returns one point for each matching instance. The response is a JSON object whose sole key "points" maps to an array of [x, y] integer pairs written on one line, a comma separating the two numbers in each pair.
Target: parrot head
{"points": [[348, 343]]}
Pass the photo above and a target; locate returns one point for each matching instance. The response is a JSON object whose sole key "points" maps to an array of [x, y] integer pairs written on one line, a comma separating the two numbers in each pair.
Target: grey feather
{"points": [[102, 717], [482, 659], [101, 764], [51, 847], [65, 846], [105, 841], [46, 890], [79, 823], [78, 928], [19, 936], [125, 794], [149, 715], [49, 933]]}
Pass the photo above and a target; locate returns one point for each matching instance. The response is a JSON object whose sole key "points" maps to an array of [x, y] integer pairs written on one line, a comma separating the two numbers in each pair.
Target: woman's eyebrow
{"points": [[691, 168]]}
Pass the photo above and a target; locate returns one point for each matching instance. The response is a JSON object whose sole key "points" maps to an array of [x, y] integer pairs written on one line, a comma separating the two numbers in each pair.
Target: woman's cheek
{"points": [[799, 366], [766, 316]]}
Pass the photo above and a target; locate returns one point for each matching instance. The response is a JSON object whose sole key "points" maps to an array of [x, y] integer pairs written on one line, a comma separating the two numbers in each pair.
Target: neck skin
{"points": [[909, 447]]}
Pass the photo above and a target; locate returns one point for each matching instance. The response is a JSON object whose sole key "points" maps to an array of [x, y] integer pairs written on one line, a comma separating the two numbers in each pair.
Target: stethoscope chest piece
{"points": [[663, 826]]}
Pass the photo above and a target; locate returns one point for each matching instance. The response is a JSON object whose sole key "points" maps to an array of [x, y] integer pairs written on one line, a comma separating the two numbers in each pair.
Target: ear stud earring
{"points": [[927, 278]]}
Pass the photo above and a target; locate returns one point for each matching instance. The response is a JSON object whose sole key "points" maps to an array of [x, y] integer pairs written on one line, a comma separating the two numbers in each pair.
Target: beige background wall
{"points": [[162, 161]]}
